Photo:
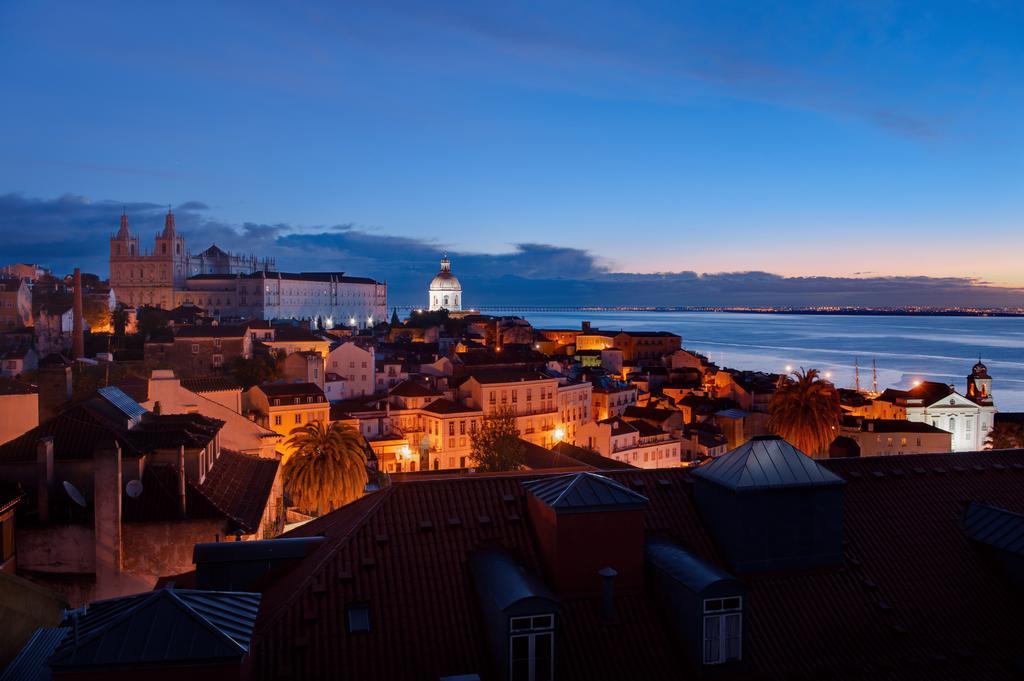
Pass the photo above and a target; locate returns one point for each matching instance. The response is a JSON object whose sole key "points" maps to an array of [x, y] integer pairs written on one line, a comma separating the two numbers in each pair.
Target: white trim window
{"points": [[531, 648], [723, 630]]}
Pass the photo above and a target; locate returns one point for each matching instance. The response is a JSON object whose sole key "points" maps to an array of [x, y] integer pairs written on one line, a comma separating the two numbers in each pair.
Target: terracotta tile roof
{"points": [[291, 390], [209, 384], [239, 485], [590, 458], [541, 458], [444, 406], [915, 601], [78, 430], [408, 388]]}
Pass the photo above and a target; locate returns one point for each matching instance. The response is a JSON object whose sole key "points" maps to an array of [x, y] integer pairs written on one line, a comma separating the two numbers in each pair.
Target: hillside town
{"points": [[212, 466]]}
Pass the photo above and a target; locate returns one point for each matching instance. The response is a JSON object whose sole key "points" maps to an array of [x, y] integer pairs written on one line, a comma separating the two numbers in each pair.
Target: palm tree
{"points": [[805, 411], [1005, 435], [326, 468]]}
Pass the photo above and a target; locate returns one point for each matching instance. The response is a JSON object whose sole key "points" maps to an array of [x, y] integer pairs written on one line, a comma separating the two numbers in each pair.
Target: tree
{"points": [[496, 446], [805, 411], [119, 319], [151, 320], [1005, 435], [96, 312], [326, 468], [256, 370]]}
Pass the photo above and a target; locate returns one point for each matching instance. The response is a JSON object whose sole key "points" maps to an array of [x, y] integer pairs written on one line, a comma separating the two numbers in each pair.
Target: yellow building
{"points": [[282, 407]]}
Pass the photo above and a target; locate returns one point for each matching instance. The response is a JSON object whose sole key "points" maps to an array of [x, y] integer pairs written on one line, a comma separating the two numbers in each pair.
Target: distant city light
{"points": [[917, 383], [351, 321], [828, 374], [559, 434], [788, 368]]}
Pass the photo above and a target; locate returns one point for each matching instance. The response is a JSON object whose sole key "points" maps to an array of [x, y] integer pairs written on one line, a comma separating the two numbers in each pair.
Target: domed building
{"points": [[445, 290]]}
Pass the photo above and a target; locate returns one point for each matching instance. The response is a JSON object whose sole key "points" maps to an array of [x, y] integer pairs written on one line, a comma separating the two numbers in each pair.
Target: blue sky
{"points": [[840, 139]]}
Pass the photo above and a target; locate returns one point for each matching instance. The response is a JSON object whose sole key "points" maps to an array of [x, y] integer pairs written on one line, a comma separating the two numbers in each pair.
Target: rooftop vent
{"points": [[585, 522], [770, 507]]}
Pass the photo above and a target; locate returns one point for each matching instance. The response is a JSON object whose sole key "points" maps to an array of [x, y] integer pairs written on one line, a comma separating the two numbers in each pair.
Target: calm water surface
{"points": [[904, 348]]}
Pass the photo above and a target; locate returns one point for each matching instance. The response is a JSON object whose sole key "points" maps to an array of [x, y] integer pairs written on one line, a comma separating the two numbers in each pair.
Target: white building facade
{"points": [[445, 292]]}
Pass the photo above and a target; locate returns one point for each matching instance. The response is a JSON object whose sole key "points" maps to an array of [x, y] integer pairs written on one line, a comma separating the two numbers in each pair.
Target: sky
{"points": [[652, 152]]}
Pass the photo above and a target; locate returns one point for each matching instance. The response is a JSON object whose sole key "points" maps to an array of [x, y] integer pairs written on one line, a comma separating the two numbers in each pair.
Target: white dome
{"points": [[445, 281], [445, 291]]}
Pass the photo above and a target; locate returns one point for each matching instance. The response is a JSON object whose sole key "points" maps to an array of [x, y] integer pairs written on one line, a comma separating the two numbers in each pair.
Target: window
{"points": [[298, 418], [277, 420], [218, 361], [462, 427], [358, 617], [723, 629], [532, 648], [195, 348], [451, 428], [491, 398]]}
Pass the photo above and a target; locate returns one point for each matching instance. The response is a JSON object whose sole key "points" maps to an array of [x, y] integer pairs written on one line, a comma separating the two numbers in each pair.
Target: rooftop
{"points": [[930, 608]]}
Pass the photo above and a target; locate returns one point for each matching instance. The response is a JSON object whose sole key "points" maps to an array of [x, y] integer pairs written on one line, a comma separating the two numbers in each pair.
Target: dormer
{"points": [[770, 508], [584, 523], [520, 616]]}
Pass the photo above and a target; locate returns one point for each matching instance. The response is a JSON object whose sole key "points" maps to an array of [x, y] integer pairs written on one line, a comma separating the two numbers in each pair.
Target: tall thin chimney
{"points": [[608, 575], [77, 328], [44, 477], [182, 487]]}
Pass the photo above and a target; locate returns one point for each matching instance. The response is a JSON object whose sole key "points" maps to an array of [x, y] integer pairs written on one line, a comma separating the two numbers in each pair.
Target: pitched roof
{"points": [[890, 425], [536, 457], [584, 492], [996, 527], [291, 389], [30, 662], [210, 384], [239, 485], [487, 376], [161, 627], [410, 388], [589, 457], [443, 406], [766, 463], [929, 608]]}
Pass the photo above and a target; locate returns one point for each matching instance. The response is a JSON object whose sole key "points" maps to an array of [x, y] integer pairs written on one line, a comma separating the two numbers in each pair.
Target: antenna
{"points": [[133, 489], [75, 495], [856, 374], [874, 376]]}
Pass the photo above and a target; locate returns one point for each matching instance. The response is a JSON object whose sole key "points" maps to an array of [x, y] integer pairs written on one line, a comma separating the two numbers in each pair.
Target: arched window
{"points": [[952, 424], [446, 301], [163, 248]]}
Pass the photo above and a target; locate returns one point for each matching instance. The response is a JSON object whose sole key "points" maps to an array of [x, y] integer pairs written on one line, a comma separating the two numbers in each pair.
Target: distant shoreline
{"points": [[827, 311]]}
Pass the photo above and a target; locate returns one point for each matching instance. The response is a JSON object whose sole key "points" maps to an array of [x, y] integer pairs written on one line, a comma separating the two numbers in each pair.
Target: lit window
{"points": [[723, 629]]}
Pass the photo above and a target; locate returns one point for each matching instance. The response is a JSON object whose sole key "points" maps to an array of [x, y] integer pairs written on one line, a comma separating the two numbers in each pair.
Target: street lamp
{"points": [[559, 434]]}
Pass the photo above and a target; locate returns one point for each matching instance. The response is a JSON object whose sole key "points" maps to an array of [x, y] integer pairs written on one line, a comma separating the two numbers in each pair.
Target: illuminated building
{"points": [[445, 292]]}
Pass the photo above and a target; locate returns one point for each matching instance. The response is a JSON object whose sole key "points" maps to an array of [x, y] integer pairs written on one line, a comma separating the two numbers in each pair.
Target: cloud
{"points": [[72, 230]]}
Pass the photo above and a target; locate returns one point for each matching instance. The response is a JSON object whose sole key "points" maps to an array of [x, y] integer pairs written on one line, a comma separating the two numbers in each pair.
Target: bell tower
{"points": [[979, 385]]}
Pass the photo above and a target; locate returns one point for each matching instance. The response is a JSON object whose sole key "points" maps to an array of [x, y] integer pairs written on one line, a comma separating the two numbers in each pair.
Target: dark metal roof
{"points": [[504, 581], [695, 573], [996, 527], [583, 492], [30, 662], [124, 404], [766, 463], [165, 626]]}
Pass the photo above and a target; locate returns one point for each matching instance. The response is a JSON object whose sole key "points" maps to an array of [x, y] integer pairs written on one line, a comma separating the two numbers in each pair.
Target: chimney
{"points": [[608, 575], [107, 492], [585, 522], [182, 487], [77, 328], [44, 477]]}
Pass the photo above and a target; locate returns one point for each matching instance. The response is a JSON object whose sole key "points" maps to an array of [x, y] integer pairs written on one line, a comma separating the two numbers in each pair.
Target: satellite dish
{"points": [[133, 489], [75, 495]]}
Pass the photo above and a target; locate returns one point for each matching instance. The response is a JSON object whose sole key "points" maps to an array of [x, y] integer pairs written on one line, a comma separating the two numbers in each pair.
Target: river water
{"points": [[904, 348]]}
